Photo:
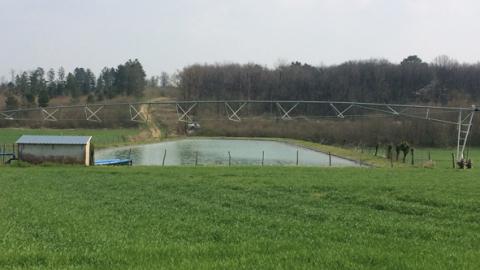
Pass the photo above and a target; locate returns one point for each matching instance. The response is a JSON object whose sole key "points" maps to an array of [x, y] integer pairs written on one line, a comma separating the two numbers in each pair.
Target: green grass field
{"points": [[101, 137], [234, 218]]}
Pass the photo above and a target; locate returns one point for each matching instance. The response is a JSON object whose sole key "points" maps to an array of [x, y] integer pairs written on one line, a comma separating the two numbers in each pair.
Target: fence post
{"points": [[329, 159], [376, 149], [263, 157], [164, 155], [297, 157], [429, 157], [229, 159], [453, 160], [413, 157], [196, 158], [391, 160]]}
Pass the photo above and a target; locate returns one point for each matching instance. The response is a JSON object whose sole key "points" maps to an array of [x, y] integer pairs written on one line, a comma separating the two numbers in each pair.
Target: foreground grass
{"points": [[230, 218]]}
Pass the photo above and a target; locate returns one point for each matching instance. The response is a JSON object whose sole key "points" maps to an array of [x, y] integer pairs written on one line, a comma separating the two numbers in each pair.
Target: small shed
{"points": [[56, 149]]}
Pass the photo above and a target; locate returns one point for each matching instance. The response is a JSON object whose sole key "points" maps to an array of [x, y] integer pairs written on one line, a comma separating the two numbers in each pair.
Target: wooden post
{"points": [[263, 157], [413, 156], [453, 160], [297, 157], [376, 149], [229, 159], [391, 160], [329, 159], [429, 157], [164, 156], [196, 159]]}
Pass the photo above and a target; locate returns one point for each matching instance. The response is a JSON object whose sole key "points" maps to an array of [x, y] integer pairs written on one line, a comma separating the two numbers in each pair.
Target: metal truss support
{"points": [[183, 115], [374, 107], [49, 116], [232, 114], [286, 113], [340, 114], [91, 115], [392, 110], [8, 115], [137, 115], [464, 128]]}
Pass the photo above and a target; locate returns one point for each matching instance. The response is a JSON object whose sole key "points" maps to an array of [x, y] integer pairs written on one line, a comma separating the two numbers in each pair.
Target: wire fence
{"points": [[442, 158], [7, 153], [426, 157]]}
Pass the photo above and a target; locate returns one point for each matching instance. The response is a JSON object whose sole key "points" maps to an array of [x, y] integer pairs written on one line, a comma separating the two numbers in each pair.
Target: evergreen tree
{"points": [[37, 81], [130, 79], [51, 84], [60, 82], [43, 98], [106, 83], [71, 86]]}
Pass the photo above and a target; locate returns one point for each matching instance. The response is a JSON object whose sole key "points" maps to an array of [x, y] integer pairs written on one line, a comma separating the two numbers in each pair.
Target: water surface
{"points": [[216, 152]]}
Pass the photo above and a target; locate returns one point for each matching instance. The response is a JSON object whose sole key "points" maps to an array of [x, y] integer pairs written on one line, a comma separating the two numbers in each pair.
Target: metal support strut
{"points": [[8, 116], [464, 126], [137, 115], [232, 114], [183, 114], [286, 113], [49, 116], [340, 114], [91, 115]]}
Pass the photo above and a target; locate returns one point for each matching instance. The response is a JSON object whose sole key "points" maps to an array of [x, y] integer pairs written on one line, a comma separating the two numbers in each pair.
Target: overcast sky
{"points": [[168, 35]]}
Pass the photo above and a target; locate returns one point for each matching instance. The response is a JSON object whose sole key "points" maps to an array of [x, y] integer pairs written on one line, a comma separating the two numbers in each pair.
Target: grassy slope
{"points": [[268, 218]]}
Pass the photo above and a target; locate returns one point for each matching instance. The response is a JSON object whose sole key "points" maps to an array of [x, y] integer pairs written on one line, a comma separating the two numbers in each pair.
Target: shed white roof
{"points": [[34, 139]]}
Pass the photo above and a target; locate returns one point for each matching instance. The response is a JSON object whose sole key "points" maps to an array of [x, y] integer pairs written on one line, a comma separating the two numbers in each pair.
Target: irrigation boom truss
{"points": [[286, 108]]}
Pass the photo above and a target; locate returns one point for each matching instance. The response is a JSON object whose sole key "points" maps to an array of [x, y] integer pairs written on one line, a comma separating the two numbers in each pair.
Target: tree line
{"points": [[411, 81], [36, 87]]}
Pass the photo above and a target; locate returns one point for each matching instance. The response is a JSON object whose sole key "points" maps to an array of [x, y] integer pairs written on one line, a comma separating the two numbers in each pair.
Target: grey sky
{"points": [[167, 35]]}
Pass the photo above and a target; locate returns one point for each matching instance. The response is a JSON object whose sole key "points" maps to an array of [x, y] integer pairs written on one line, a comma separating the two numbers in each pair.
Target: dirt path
{"points": [[152, 132], [155, 132]]}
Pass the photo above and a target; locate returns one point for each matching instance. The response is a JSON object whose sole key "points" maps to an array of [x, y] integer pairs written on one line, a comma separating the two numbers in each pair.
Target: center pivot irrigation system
{"points": [[461, 117]]}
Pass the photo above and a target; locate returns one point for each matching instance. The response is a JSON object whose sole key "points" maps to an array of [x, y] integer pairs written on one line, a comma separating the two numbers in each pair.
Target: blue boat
{"points": [[113, 162]]}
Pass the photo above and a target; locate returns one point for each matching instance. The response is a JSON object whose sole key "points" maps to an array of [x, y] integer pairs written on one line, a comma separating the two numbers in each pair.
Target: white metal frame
{"points": [[49, 116], [8, 115], [286, 113], [232, 114], [183, 115], [136, 115], [91, 115], [286, 107], [464, 127]]}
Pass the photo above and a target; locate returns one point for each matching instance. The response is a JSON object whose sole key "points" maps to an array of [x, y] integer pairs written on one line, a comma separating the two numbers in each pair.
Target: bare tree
{"points": [[164, 79]]}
